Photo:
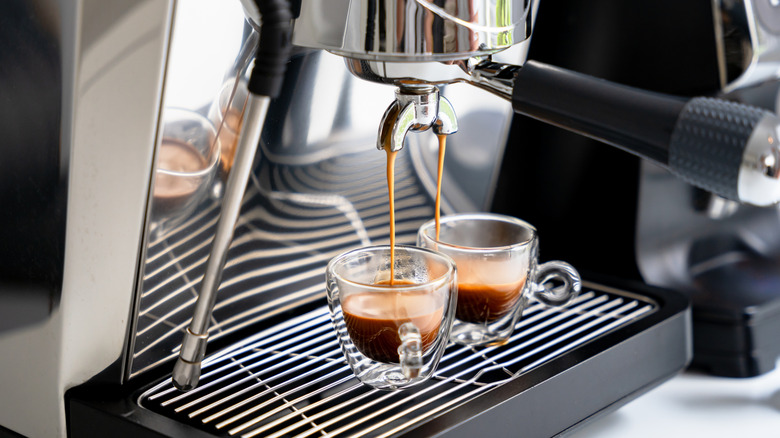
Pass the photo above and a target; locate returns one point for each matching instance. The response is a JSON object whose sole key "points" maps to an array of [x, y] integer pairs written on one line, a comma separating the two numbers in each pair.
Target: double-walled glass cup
{"points": [[392, 335], [496, 257]]}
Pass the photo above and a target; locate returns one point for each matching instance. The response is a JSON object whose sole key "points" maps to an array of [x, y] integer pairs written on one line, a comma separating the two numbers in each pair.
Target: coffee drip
{"points": [[391, 204], [439, 173]]}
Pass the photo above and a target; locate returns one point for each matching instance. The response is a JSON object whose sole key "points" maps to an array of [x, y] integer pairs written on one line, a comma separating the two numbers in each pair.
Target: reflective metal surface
{"points": [[748, 43], [416, 108], [112, 62], [759, 180], [413, 30]]}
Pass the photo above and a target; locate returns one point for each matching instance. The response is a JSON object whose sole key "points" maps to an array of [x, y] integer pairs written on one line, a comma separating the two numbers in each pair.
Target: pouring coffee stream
{"points": [[418, 108]]}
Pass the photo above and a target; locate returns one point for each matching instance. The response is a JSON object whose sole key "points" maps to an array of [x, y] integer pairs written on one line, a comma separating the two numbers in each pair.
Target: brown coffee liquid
{"points": [[373, 319], [437, 214], [479, 303], [391, 155], [391, 189]]}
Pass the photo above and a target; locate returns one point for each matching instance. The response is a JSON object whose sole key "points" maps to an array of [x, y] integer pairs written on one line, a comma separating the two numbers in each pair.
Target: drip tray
{"points": [[561, 367]]}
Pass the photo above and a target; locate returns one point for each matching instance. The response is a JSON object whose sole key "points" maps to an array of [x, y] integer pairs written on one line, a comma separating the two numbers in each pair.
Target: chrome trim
{"points": [[747, 39], [759, 179], [412, 30], [415, 108]]}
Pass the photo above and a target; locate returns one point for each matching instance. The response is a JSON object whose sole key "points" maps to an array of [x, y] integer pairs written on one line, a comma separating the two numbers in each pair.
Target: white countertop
{"points": [[697, 405]]}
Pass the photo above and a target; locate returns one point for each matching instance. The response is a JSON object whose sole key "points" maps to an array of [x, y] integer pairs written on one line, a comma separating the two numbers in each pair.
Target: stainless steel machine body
{"points": [[112, 58]]}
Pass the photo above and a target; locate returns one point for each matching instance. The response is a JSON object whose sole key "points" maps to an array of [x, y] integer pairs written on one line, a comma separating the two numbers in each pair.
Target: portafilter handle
{"points": [[727, 148]]}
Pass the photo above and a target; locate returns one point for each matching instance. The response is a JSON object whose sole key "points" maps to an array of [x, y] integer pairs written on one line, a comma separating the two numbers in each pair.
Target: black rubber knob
{"points": [[708, 142]]}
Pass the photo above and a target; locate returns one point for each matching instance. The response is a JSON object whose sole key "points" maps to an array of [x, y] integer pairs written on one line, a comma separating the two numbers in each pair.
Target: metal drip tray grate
{"points": [[291, 380]]}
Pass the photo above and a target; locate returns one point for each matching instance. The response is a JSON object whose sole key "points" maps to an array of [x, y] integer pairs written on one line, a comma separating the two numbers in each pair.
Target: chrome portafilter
{"points": [[417, 107]]}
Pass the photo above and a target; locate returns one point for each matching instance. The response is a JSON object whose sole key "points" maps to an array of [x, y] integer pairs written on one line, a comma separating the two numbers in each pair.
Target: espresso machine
{"points": [[181, 224]]}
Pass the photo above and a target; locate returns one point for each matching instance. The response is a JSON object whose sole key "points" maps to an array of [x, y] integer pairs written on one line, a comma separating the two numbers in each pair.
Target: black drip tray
{"points": [[559, 368]]}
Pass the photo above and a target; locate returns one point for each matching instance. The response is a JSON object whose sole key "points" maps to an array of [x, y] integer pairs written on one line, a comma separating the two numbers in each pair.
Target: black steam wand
{"points": [[265, 83]]}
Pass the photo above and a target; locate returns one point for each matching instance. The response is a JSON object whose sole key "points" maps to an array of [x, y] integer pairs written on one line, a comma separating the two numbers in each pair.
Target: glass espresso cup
{"points": [[392, 335], [496, 257]]}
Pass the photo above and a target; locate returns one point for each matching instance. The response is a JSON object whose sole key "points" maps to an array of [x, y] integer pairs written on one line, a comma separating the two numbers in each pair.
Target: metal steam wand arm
{"points": [[264, 84]]}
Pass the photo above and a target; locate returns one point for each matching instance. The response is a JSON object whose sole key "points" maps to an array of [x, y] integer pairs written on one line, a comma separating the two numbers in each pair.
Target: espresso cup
{"points": [[392, 334], [496, 257]]}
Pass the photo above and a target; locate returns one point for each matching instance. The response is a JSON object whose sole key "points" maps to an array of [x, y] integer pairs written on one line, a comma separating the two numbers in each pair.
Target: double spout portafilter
{"points": [[727, 148], [417, 107]]}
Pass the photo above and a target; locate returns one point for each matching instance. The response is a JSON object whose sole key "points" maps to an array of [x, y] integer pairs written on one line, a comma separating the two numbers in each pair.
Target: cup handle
{"points": [[557, 283], [410, 350]]}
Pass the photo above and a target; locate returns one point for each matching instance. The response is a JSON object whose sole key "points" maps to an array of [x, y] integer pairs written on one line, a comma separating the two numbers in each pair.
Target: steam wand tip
{"points": [[186, 371], [185, 374]]}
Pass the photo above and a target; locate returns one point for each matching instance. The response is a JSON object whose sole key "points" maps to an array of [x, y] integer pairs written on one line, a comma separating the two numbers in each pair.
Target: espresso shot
{"points": [[496, 257], [479, 302], [373, 320], [392, 334]]}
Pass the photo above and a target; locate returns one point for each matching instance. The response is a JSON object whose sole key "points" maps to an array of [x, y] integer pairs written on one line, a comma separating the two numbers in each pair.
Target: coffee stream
{"points": [[440, 170], [391, 196], [391, 189]]}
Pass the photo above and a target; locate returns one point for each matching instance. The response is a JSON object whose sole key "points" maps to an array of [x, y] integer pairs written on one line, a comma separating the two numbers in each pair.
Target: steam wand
{"points": [[264, 84]]}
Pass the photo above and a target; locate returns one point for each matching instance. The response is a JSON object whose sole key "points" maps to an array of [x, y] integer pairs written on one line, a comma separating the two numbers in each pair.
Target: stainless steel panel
{"points": [[112, 56]]}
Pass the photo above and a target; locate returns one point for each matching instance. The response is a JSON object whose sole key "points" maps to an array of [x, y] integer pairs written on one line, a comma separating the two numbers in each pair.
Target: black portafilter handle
{"points": [[727, 148]]}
